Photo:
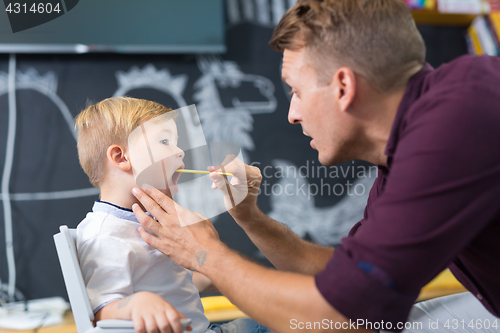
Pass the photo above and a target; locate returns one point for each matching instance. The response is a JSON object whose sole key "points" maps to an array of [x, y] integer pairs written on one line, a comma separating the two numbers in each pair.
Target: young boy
{"points": [[125, 278], [121, 140]]}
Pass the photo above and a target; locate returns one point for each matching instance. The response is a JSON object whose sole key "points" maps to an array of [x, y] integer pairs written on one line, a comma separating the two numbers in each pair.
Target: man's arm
{"points": [[202, 282], [281, 246], [283, 301]]}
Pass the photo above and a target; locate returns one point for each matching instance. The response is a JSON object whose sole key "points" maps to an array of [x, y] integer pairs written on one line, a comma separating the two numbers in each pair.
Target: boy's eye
{"points": [[164, 142]]}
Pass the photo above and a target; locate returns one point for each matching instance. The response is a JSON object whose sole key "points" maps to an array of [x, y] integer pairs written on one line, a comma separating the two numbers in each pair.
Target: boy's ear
{"points": [[117, 157]]}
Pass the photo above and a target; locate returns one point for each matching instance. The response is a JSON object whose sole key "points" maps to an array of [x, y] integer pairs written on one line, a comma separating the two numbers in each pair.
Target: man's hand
{"points": [[149, 312], [178, 233], [281, 246], [240, 195]]}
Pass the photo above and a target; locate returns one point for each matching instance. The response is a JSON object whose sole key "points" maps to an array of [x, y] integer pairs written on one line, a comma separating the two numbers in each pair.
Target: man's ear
{"points": [[345, 83], [118, 158]]}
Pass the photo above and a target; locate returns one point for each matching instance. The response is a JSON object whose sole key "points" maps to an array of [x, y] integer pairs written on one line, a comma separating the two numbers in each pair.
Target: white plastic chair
{"points": [[78, 298]]}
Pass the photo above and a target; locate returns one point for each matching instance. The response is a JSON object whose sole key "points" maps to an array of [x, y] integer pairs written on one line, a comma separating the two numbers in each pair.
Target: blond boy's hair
{"points": [[375, 38], [110, 122]]}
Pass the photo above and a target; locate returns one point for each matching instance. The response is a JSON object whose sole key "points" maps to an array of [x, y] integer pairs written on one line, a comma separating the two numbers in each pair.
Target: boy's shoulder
{"points": [[102, 225]]}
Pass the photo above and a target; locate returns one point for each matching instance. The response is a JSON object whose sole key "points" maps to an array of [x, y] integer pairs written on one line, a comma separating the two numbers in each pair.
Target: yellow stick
{"points": [[203, 172]]}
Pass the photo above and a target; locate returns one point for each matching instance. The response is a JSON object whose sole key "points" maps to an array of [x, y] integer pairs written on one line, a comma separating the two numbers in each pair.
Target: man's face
{"points": [[315, 106], [154, 154]]}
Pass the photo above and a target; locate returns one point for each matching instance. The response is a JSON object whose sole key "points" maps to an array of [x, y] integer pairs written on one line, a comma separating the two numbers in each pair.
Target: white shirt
{"points": [[116, 263]]}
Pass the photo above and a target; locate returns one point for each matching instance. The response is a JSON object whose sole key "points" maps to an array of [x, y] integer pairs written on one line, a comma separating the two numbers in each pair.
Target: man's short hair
{"points": [[110, 122], [377, 39]]}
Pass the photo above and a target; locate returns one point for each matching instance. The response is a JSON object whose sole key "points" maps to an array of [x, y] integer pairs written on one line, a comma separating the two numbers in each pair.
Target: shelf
{"points": [[423, 17]]}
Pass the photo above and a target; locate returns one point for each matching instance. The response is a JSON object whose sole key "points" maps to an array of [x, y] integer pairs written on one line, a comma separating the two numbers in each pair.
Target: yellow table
{"points": [[442, 285]]}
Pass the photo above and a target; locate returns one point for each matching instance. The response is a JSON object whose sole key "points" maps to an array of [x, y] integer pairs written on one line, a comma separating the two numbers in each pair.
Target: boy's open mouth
{"points": [[176, 175]]}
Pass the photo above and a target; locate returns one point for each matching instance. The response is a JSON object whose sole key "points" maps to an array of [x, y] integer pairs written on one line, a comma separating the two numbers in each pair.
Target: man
{"points": [[361, 90]]}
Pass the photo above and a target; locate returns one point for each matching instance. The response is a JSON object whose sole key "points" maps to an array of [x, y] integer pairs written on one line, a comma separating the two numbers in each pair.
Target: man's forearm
{"points": [[202, 283], [282, 247], [275, 299]]}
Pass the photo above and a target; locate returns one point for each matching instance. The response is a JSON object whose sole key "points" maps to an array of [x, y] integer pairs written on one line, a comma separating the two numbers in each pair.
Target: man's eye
{"points": [[164, 142]]}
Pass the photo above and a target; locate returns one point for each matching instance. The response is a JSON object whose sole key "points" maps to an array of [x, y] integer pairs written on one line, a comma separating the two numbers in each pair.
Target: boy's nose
{"points": [[181, 153]]}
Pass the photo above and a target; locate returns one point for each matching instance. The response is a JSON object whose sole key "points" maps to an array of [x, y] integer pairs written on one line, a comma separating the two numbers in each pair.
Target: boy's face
{"points": [[154, 155]]}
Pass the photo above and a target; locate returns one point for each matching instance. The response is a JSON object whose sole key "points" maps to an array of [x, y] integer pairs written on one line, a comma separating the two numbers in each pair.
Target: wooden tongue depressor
{"points": [[203, 172]]}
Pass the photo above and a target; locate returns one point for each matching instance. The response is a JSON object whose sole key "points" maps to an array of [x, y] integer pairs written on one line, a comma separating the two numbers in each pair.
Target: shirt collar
{"points": [[412, 93], [117, 211]]}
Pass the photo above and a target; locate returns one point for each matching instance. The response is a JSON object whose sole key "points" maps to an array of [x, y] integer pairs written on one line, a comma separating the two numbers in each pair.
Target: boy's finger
{"points": [[147, 221], [175, 321], [139, 325], [150, 323], [163, 324]]}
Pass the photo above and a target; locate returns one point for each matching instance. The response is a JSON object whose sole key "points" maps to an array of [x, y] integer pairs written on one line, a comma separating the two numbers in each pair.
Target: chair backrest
{"points": [[78, 298]]}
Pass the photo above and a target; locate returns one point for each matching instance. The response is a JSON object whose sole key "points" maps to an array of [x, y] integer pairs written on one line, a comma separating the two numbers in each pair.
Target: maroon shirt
{"points": [[435, 205]]}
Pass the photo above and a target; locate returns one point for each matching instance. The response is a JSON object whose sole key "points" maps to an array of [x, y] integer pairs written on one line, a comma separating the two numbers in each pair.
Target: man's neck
{"points": [[377, 124]]}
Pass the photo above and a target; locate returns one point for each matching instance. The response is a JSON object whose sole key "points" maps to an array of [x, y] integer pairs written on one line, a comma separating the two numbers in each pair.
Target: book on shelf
{"points": [[464, 6], [495, 21], [473, 41], [475, 7], [421, 4], [483, 35], [494, 6], [494, 32]]}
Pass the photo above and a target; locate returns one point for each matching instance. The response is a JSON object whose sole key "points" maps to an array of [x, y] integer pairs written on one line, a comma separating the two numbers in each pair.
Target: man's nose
{"points": [[293, 113]]}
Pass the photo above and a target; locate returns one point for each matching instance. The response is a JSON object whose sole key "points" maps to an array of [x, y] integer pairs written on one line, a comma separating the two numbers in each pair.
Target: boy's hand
{"points": [[149, 312]]}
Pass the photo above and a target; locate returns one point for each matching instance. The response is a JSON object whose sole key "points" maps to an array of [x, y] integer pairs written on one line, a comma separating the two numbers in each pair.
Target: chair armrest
{"points": [[117, 323]]}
